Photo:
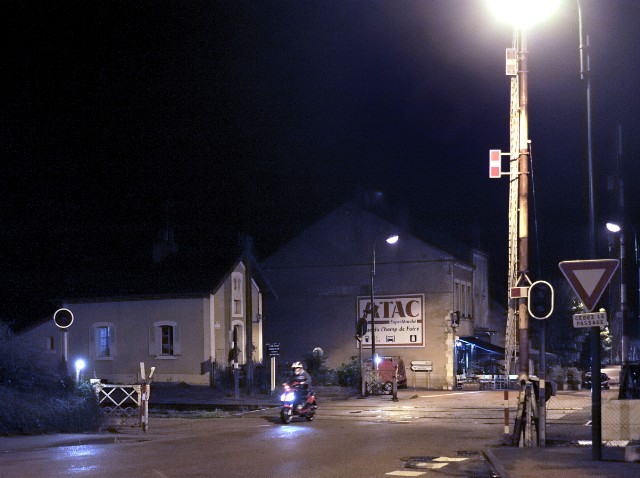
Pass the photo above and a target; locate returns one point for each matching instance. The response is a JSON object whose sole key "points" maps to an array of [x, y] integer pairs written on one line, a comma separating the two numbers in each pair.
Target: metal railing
{"points": [[124, 405]]}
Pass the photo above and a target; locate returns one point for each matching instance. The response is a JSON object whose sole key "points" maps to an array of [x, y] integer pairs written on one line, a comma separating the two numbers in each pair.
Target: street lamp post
{"points": [[596, 359], [390, 240], [455, 322], [624, 389], [522, 14]]}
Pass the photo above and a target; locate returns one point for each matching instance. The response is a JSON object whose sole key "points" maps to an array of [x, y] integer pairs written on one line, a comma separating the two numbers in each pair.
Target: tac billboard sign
{"points": [[399, 320]]}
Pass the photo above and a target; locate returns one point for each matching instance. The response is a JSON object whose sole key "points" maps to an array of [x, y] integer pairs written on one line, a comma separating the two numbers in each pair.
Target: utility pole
{"points": [[594, 335], [523, 202], [248, 287]]}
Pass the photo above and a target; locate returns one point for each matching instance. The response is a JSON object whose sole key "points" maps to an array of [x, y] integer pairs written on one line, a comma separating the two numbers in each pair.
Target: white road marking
{"points": [[446, 394], [430, 466], [405, 473]]}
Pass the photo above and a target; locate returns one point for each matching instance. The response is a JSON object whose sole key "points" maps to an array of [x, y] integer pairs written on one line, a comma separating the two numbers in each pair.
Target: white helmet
{"points": [[296, 365]]}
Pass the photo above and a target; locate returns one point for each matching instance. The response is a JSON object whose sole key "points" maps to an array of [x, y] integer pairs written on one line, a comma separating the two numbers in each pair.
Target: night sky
{"points": [[120, 117]]}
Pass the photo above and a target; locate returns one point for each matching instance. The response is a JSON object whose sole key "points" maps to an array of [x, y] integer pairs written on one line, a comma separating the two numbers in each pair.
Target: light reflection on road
{"points": [[74, 454], [289, 431], [79, 451]]}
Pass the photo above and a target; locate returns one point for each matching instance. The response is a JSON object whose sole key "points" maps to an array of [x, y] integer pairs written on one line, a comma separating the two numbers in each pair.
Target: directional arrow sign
{"points": [[589, 278]]}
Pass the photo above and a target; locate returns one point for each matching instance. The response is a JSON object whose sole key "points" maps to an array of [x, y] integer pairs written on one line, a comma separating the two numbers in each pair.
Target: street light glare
{"points": [[522, 13], [612, 227], [392, 239]]}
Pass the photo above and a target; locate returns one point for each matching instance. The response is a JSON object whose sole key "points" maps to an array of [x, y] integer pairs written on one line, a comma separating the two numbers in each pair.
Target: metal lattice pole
{"points": [[511, 334]]}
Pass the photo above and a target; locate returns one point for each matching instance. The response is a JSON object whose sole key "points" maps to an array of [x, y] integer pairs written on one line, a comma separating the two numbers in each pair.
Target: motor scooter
{"points": [[297, 401]]}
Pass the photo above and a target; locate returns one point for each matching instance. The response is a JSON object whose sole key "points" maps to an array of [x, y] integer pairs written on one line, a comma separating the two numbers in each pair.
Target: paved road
{"points": [[424, 434]]}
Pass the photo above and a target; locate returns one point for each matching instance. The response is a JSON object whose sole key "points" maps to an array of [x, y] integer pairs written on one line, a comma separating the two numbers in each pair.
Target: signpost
{"points": [[589, 278], [63, 318], [595, 319], [273, 351], [422, 365]]}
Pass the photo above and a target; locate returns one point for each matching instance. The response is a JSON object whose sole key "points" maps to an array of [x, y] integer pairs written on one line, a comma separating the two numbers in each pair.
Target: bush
{"points": [[348, 375], [557, 374], [38, 396], [574, 375], [316, 366]]}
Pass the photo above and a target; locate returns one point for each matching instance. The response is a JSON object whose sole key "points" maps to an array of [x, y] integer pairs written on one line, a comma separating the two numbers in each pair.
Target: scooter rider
{"points": [[298, 397], [299, 376], [300, 379]]}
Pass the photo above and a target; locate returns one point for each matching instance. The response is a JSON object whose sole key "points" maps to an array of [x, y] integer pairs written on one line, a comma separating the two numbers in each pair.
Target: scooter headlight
{"points": [[287, 397]]}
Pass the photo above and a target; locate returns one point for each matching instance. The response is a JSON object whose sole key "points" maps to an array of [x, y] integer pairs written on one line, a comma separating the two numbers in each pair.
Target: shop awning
{"points": [[486, 346]]}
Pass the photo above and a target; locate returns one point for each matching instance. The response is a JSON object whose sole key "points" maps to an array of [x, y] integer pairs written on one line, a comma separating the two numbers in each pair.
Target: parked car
{"points": [[385, 368], [604, 381]]}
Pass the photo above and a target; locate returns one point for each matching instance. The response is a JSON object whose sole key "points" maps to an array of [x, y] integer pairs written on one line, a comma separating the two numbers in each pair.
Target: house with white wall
{"points": [[186, 332]]}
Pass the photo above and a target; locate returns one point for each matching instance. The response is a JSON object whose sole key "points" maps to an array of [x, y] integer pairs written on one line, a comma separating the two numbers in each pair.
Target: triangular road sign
{"points": [[589, 278]]}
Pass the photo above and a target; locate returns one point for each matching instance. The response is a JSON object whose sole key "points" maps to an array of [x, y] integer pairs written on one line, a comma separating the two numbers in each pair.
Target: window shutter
{"points": [[177, 340], [113, 343], [95, 340], [154, 340]]}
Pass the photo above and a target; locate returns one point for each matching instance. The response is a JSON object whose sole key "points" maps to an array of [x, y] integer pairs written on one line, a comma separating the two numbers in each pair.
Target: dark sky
{"points": [[261, 116]]}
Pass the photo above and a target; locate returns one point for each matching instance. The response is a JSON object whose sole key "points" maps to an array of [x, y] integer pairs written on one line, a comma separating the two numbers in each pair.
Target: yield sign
{"points": [[589, 278]]}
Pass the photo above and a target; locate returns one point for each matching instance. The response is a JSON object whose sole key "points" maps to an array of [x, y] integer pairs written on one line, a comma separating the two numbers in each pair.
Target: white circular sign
{"points": [[63, 318]]}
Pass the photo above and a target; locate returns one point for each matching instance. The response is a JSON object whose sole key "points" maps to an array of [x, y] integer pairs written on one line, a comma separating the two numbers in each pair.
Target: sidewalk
{"points": [[564, 457], [559, 462]]}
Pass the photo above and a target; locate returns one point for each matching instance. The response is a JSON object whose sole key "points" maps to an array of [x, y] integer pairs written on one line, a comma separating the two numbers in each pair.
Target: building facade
{"points": [[187, 337], [423, 296]]}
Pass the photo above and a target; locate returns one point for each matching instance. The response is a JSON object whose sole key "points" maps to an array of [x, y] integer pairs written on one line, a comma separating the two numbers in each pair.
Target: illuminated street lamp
{"points": [[522, 14], [80, 364], [613, 227], [390, 240]]}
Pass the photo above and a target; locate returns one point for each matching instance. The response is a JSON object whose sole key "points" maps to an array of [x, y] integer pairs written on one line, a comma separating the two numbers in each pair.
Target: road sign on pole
{"points": [[495, 163], [589, 278], [592, 319], [63, 318], [422, 365]]}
